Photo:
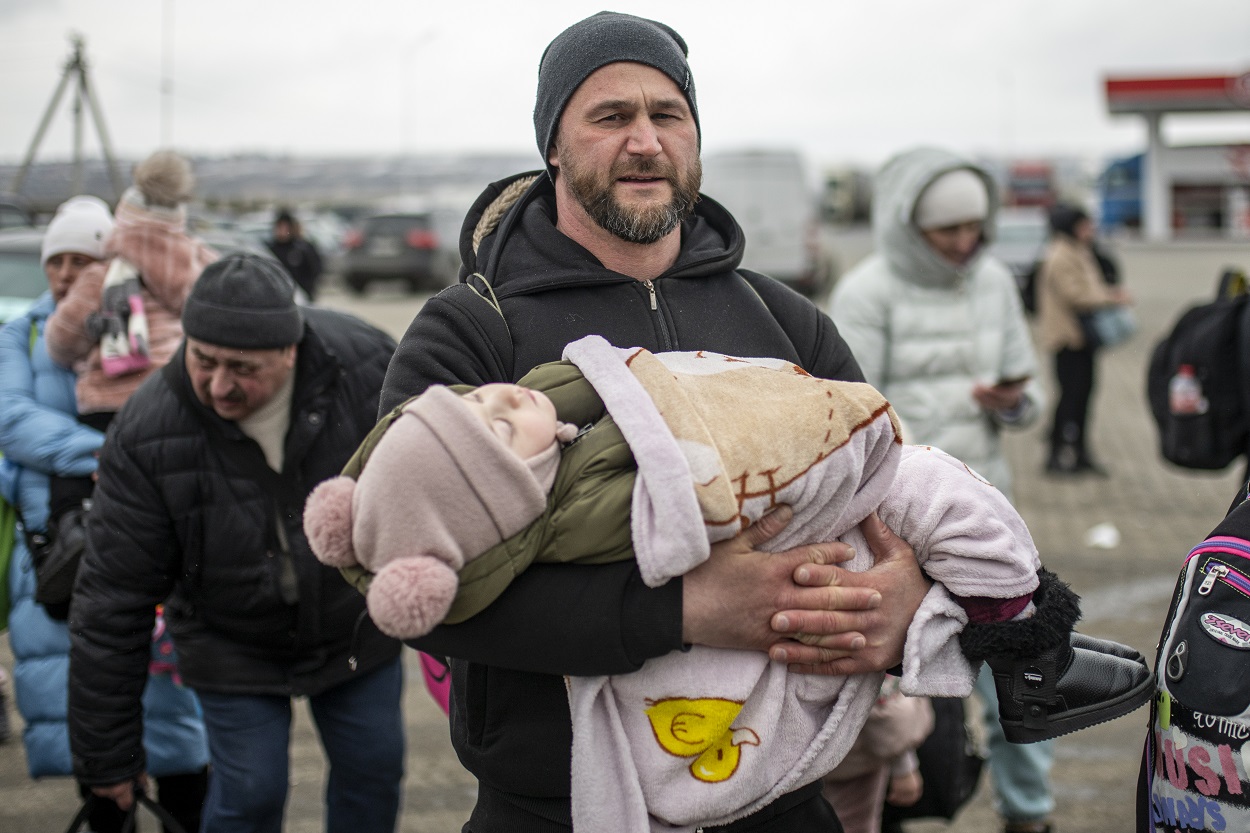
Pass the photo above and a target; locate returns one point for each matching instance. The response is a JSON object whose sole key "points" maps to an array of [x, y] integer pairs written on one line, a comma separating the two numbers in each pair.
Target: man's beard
{"points": [[634, 224]]}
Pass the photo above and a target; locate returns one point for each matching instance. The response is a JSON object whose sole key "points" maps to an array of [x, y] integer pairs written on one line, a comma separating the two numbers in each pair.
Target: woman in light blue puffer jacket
{"points": [[40, 435]]}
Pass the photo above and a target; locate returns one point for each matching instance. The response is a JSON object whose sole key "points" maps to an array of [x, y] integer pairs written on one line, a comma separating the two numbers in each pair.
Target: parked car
{"points": [[21, 275], [770, 196], [14, 215], [1020, 236], [396, 246]]}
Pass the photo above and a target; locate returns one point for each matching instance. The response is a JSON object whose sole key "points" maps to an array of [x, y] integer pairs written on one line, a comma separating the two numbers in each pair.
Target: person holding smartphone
{"points": [[937, 325]]}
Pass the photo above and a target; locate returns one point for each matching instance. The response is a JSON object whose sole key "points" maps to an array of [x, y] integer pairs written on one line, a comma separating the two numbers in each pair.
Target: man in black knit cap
{"points": [[613, 238], [199, 505]]}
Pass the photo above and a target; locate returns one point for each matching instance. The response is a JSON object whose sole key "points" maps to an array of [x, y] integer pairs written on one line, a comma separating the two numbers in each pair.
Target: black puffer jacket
{"points": [[510, 717], [186, 505]]}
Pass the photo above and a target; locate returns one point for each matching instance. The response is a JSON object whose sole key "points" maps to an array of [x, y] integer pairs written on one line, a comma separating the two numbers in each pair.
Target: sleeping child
{"points": [[619, 453]]}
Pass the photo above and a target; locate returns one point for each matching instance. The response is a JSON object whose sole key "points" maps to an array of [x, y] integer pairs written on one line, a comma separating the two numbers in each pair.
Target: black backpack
{"points": [[1212, 340]]}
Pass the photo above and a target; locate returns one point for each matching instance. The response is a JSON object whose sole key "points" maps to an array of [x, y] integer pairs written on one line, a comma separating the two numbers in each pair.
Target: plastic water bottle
{"points": [[1185, 392]]}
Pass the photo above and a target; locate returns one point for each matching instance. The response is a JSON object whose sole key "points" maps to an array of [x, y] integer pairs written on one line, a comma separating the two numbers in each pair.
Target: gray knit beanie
{"points": [[599, 40], [246, 302]]}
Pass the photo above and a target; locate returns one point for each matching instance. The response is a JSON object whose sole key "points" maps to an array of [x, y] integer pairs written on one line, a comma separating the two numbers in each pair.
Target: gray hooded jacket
{"points": [[925, 332]]}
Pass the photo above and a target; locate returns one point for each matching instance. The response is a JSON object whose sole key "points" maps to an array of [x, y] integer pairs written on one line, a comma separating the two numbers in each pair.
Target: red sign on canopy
{"points": [[1204, 93]]}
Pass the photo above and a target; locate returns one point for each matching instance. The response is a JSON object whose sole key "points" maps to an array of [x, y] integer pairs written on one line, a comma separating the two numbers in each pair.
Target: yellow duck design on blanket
{"points": [[738, 458], [750, 434], [701, 727]]}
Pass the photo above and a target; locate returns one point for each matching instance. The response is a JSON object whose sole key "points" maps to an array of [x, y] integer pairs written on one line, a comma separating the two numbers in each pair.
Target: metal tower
{"points": [[75, 70]]}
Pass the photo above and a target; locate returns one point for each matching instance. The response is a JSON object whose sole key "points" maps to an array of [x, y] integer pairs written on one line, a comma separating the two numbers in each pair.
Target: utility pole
{"points": [[75, 70], [167, 74]]}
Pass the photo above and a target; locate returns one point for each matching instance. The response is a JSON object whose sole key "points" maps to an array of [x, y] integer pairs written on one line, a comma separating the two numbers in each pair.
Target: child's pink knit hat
{"points": [[438, 490]]}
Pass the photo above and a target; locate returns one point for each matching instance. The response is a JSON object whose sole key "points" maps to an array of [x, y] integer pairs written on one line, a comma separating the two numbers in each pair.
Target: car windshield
{"points": [[395, 225], [21, 276]]}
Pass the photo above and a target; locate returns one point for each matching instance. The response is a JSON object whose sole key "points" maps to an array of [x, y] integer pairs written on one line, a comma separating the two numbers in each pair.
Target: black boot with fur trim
{"points": [[1050, 680]]}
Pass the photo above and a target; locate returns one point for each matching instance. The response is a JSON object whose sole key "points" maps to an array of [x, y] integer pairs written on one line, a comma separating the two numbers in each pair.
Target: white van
{"points": [[769, 194]]}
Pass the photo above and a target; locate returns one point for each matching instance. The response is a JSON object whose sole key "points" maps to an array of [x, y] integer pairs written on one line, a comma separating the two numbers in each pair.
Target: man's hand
{"points": [[729, 601], [123, 794], [836, 638]]}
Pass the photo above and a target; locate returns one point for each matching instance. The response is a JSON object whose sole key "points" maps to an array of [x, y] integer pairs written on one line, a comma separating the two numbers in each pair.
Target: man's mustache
{"points": [[645, 168], [234, 397]]}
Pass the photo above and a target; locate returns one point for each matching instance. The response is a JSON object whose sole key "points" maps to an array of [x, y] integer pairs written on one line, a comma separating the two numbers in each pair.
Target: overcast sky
{"points": [[843, 81]]}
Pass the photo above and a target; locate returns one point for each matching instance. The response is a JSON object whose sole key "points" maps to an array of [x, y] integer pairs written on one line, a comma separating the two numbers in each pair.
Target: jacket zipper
{"points": [[353, 649], [665, 337]]}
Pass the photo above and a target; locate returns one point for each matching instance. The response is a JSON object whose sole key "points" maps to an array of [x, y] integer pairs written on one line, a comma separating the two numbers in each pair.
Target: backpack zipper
{"points": [[1216, 570], [1219, 571]]}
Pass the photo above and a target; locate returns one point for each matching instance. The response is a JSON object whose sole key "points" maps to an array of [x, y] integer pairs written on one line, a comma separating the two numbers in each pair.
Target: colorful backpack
{"points": [[1194, 773]]}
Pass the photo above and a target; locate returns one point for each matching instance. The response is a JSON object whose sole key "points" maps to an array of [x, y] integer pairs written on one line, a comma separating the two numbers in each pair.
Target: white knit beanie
{"points": [[955, 197], [82, 225]]}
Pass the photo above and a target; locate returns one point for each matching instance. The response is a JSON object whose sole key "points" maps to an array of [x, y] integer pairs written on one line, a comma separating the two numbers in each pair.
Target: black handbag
{"points": [[950, 764], [159, 813], [56, 555]]}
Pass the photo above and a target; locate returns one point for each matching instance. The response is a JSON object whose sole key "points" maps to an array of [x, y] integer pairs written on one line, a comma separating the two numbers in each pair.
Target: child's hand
{"points": [[905, 789]]}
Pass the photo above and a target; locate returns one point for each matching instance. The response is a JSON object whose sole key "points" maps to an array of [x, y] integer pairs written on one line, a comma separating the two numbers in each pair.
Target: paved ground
{"points": [[1159, 511]]}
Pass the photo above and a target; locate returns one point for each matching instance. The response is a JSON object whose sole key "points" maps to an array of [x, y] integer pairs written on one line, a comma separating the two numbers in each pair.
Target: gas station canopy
{"points": [[1195, 94]]}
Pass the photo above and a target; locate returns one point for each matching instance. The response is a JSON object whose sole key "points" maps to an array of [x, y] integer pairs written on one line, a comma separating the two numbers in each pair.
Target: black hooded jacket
{"points": [[188, 512], [510, 717]]}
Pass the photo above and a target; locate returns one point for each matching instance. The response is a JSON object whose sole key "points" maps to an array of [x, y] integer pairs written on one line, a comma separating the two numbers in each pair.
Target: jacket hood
{"points": [[897, 187], [509, 237]]}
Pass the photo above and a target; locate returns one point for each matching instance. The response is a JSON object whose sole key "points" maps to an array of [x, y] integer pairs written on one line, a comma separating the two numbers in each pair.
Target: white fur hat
{"points": [[955, 197], [82, 225]]}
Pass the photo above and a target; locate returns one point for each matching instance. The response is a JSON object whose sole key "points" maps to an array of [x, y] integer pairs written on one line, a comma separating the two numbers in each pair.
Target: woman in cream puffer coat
{"points": [[940, 340], [926, 332]]}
